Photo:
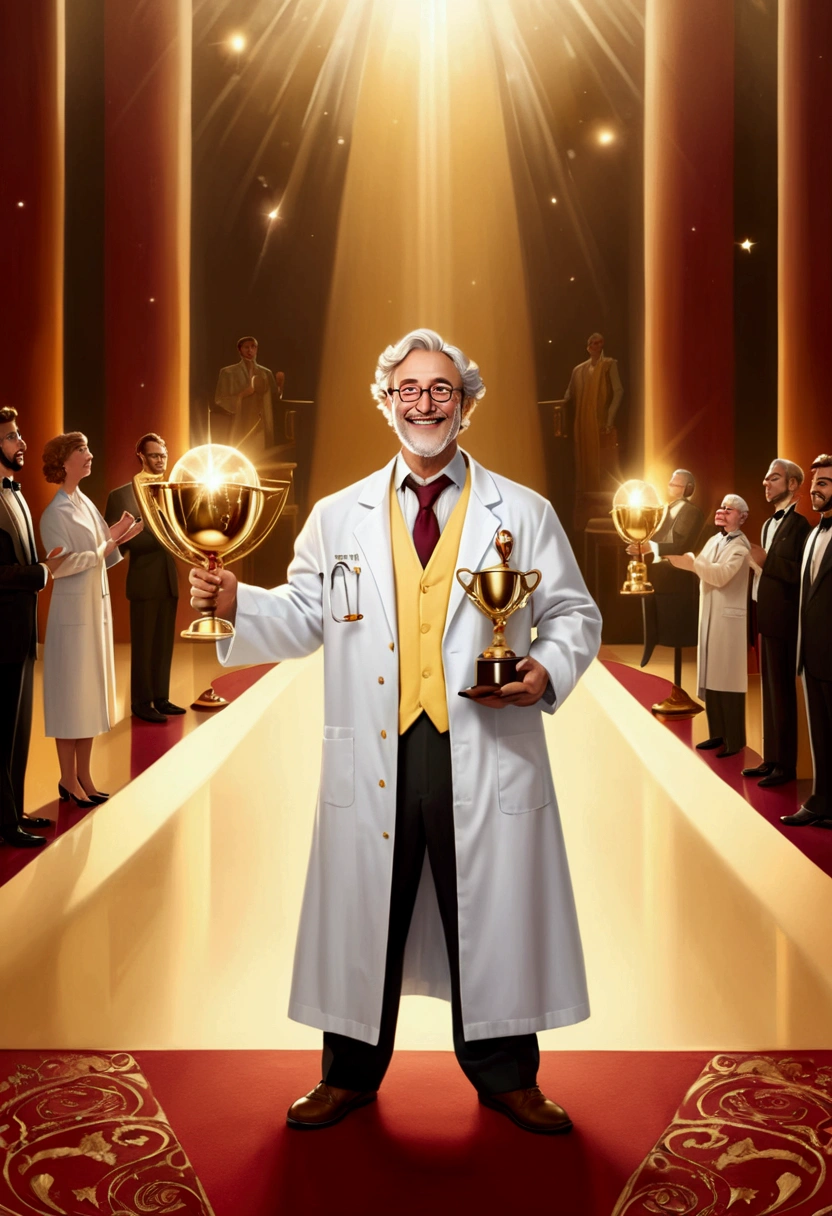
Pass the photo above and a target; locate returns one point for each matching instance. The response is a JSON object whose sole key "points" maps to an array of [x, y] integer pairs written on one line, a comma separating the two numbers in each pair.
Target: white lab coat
{"points": [[521, 963], [723, 615], [78, 663]]}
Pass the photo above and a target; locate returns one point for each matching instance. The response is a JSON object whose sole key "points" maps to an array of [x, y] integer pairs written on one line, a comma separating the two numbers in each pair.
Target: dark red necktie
{"points": [[426, 527]]}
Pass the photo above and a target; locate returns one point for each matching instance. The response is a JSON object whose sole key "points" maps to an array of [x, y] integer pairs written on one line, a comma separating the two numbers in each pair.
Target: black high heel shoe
{"points": [[65, 796], [97, 798]]}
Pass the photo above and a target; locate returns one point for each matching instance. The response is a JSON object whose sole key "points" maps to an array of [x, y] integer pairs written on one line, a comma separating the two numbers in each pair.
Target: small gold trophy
{"points": [[498, 592], [637, 514], [213, 510]]}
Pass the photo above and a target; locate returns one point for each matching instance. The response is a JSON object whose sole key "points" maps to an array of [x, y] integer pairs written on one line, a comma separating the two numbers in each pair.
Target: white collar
{"points": [[456, 469]]}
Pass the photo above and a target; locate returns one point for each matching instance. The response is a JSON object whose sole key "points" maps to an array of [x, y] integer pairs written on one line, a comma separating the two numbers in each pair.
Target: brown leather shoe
{"points": [[531, 1110], [325, 1105]]}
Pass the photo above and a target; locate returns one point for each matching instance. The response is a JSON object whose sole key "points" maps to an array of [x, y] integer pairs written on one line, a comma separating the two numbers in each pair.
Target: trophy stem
{"points": [[210, 627], [637, 583]]}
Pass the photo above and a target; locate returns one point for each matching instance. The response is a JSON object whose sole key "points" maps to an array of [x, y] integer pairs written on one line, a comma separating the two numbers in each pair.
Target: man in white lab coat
{"points": [[412, 770]]}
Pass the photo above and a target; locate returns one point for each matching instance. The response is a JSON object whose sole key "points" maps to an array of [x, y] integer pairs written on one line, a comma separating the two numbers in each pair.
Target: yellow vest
{"points": [[421, 607]]}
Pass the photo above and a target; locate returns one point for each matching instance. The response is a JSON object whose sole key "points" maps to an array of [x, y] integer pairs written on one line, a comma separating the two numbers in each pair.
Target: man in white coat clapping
{"points": [[722, 668], [411, 769]]}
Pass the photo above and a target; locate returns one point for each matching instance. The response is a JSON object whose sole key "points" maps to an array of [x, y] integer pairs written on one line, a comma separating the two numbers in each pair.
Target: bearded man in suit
{"points": [[22, 576], [776, 591], [153, 592], [814, 654]]}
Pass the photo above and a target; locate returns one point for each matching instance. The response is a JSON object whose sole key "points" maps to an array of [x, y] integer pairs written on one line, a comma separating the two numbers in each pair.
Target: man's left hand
{"points": [[758, 555], [525, 692]]}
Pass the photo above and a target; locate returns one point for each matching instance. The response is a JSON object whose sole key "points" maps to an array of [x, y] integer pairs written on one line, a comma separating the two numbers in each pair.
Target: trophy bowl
{"points": [[498, 592], [637, 513], [213, 510]]}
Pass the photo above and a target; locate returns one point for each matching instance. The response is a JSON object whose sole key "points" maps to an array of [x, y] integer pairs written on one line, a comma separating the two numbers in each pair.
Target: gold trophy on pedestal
{"points": [[213, 510], [637, 513], [498, 592]]}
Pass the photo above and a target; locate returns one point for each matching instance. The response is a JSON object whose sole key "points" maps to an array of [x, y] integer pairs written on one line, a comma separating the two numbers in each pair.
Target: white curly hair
{"points": [[734, 500], [473, 389]]}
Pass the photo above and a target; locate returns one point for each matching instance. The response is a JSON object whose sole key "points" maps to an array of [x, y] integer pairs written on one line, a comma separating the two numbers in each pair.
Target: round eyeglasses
{"points": [[409, 393]]}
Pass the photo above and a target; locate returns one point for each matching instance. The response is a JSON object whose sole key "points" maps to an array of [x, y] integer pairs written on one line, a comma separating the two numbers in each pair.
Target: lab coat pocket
{"points": [[523, 768], [338, 766]]}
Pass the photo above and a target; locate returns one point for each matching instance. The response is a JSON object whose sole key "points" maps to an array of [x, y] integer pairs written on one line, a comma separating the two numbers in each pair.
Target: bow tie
{"points": [[779, 514], [8, 484], [825, 523]]}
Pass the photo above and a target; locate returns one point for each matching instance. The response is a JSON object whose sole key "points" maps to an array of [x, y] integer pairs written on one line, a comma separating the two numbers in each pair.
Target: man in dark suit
{"points": [[776, 591], [22, 576], [671, 616], [153, 592], [814, 654]]}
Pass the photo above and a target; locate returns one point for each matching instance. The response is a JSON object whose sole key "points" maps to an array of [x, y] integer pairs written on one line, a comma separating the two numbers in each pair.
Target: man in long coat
{"points": [[722, 659], [411, 768], [249, 393]]}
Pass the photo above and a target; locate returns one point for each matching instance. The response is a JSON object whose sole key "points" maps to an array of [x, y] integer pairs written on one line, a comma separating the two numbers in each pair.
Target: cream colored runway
{"points": [[167, 918]]}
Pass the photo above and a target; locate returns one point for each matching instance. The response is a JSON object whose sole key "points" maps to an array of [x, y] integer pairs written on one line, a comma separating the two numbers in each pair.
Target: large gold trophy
{"points": [[637, 514], [498, 592], [213, 510]]}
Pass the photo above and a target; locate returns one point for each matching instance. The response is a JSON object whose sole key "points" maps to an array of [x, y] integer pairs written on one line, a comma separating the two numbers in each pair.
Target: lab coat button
{"points": [[392, 645], [384, 734], [381, 679], [381, 783], [386, 835]]}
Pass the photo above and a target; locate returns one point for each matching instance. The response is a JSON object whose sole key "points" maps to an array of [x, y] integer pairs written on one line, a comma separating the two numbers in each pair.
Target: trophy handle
{"points": [[466, 587], [524, 579]]}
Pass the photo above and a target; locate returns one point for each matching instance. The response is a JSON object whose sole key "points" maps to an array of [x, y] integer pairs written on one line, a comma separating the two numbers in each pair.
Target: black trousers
{"points": [[424, 822], [16, 684], [152, 626], [726, 717], [778, 662], [819, 706]]}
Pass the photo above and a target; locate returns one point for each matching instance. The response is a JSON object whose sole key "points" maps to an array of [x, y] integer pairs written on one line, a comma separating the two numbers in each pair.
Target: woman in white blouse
{"points": [[78, 663]]}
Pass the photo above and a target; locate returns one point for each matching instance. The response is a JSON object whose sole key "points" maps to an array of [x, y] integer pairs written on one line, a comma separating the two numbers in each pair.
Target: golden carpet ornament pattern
{"points": [[81, 1134], [753, 1136]]}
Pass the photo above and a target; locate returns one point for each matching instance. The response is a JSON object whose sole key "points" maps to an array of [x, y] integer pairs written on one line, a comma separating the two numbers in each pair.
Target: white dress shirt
{"points": [[820, 544], [456, 469]]}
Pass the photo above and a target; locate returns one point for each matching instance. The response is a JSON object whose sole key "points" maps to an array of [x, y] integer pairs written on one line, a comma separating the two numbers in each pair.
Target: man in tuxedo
{"points": [[153, 592], [776, 591], [671, 615], [814, 654], [22, 576]]}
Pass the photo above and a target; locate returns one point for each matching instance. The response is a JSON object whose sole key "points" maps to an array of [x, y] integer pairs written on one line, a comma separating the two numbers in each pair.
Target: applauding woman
{"points": [[78, 663]]}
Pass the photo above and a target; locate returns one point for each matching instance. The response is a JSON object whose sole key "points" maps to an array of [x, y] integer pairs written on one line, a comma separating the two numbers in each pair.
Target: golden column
{"points": [[147, 226], [689, 250], [31, 228], [805, 233]]}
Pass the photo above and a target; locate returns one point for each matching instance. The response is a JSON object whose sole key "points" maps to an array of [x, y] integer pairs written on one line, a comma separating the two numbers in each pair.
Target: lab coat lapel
{"points": [[372, 535], [476, 546]]}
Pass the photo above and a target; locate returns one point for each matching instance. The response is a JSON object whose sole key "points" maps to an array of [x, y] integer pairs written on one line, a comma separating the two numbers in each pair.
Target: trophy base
{"points": [[678, 705], [208, 629], [494, 673], [631, 588]]}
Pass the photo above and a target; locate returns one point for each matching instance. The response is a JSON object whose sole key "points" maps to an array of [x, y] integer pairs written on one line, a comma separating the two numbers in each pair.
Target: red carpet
{"points": [[426, 1147], [814, 843], [755, 1131], [83, 1133]]}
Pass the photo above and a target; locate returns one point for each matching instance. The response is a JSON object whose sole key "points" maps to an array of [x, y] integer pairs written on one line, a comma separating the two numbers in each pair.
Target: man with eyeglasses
{"points": [[22, 576], [437, 863]]}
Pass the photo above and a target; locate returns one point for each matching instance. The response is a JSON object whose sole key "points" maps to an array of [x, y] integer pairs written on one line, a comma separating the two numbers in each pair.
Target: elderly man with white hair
{"points": [[722, 669], [437, 861]]}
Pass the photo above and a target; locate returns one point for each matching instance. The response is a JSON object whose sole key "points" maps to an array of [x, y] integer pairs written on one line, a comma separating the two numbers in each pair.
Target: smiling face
{"points": [[154, 458], [822, 489], [12, 446], [427, 427], [78, 463], [778, 488]]}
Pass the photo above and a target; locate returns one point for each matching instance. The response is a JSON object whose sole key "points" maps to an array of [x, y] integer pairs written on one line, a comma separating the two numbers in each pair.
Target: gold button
{"points": [[384, 734], [392, 646], [426, 629], [381, 783], [386, 835], [426, 673], [425, 589], [381, 679]]}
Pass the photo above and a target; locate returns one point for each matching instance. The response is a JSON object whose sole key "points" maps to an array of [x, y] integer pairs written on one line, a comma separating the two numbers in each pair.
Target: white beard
{"points": [[428, 448]]}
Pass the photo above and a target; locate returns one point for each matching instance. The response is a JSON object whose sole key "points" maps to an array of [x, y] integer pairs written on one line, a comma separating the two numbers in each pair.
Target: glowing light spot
{"points": [[237, 43], [273, 214], [21, 204], [747, 245], [339, 140], [553, 200], [152, 300], [606, 137], [572, 278]]}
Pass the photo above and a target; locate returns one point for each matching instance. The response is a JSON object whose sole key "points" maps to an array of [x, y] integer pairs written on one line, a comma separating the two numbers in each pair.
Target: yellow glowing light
{"points": [[237, 43], [747, 245], [21, 204], [273, 214], [606, 137], [554, 200], [339, 141]]}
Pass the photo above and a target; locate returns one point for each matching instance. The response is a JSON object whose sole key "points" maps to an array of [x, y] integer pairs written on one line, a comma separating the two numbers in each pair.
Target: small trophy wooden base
{"points": [[494, 673]]}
